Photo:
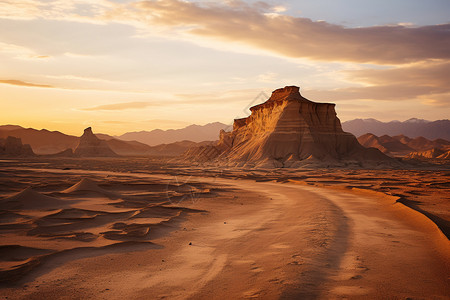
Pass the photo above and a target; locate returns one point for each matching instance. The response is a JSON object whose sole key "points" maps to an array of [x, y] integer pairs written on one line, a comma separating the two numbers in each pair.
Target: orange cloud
{"points": [[392, 92], [23, 83], [257, 25], [439, 100], [426, 73], [425, 80], [292, 36]]}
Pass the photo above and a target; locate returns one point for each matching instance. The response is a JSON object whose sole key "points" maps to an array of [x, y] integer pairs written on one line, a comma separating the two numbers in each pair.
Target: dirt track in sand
{"points": [[264, 240]]}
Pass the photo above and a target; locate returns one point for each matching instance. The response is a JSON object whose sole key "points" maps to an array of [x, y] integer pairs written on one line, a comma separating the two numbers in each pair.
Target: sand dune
{"points": [[84, 216], [19, 253], [293, 234], [28, 199], [88, 185]]}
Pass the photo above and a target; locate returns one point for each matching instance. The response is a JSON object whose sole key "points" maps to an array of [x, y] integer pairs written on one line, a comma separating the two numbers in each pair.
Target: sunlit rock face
{"points": [[286, 131], [92, 146]]}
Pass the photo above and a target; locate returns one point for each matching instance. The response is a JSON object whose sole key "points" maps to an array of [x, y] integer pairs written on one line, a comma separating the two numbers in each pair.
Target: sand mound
{"points": [[28, 199], [88, 185], [55, 258], [157, 212], [70, 221], [20, 253], [144, 231], [73, 213], [10, 217]]}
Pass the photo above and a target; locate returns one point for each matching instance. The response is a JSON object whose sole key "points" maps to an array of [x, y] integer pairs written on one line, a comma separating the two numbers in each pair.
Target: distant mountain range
{"points": [[44, 142], [412, 128], [41, 141], [194, 133], [390, 137], [404, 146]]}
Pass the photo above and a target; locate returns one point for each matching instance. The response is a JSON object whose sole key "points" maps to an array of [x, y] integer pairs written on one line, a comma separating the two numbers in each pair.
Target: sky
{"points": [[122, 66]]}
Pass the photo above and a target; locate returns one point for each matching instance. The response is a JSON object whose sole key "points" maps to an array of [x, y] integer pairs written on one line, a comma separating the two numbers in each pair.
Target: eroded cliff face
{"points": [[287, 130]]}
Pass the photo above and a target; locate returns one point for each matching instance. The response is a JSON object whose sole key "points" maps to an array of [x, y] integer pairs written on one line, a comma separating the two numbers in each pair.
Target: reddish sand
{"points": [[170, 236]]}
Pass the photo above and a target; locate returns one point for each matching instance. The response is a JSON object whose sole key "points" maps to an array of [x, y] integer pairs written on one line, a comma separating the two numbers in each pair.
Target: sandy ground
{"points": [[168, 236]]}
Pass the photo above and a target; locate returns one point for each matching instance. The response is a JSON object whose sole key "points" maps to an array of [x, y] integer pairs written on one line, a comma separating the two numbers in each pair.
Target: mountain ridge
{"points": [[401, 145], [194, 133], [412, 128], [56, 143]]}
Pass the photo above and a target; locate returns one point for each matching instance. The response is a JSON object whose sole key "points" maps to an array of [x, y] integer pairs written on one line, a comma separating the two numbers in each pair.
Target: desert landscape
{"points": [[286, 205], [229, 149]]}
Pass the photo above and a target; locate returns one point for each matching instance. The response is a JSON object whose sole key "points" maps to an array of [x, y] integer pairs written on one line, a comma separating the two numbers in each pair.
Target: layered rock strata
{"points": [[287, 130]]}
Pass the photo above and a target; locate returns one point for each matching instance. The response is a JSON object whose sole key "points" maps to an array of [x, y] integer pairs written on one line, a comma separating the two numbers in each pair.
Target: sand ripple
{"points": [[128, 217]]}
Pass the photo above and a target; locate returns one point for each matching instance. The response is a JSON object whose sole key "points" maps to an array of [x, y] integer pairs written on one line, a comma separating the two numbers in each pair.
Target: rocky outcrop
{"points": [[29, 199], [386, 144], [428, 154], [92, 146], [288, 130], [13, 147], [423, 144], [369, 140], [403, 146], [445, 155]]}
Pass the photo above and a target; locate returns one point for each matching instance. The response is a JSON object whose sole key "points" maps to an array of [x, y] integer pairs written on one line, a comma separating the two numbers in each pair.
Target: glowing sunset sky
{"points": [[119, 65]]}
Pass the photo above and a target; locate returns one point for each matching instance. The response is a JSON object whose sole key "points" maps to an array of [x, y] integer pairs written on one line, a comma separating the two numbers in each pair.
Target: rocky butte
{"points": [[92, 146], [12, 146], [289, 130]]}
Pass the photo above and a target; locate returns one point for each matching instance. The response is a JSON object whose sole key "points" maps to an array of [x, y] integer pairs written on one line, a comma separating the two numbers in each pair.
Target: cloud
{"points": [[23, 83], [23, 10], [20, 52], [392, 92], [267, 77], [79, 78], [257, 25], [114, 122], [121, 106], [438, 100], [84, 11], [424, 80], [227, 96], [432, 73], [279, 9], [291, 36]]}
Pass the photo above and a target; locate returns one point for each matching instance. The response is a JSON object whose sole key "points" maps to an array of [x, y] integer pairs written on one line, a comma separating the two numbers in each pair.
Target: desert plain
{"points": [[192, 149], [146, 228]]}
